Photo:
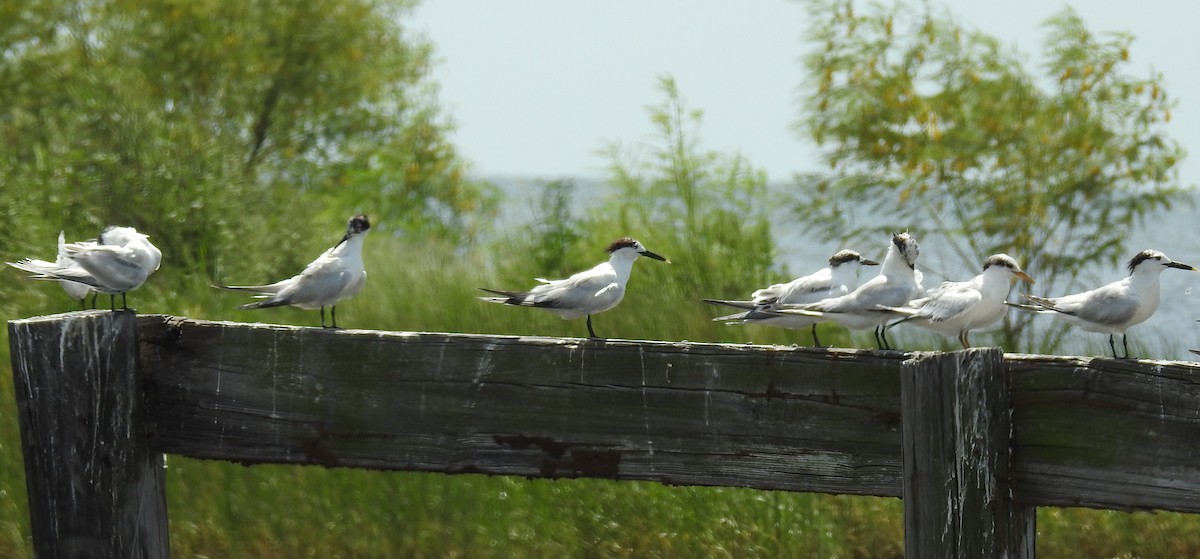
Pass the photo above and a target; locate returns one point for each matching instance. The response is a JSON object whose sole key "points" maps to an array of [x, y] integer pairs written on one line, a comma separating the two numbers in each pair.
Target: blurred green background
{"points": [[241, 135]]}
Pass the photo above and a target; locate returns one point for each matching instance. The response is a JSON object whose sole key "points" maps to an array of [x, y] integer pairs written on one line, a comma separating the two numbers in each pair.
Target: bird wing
{"points": [[118, 268], [869, 296], [769, 294], [1108, 305], [805, 289], [323, 282], [948, 301]]}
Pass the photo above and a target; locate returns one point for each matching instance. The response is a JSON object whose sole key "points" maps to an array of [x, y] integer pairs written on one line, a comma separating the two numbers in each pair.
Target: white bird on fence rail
{"points": [[838, 279], [1112, 309], [118, 262], [336, 275], [585, 293], [895, 286], [956, 308]]}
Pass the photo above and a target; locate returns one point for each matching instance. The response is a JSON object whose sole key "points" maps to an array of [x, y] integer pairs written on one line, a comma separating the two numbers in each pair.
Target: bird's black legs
{"points": [[1113, 346], [333, 313], [112, 302], [94, 295], [816, 341], [124, 303], [881, 337], [322, 316], [591, 333]]}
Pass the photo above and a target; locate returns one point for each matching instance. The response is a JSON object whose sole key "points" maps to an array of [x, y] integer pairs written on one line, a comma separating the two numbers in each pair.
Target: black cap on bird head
{"points": [[357, 225], [846, 255], [623, 242], [1150, 254], [907, 245]]}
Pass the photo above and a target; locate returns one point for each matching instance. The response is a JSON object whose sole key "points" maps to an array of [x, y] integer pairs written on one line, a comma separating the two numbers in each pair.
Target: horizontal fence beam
{"points": [[976, 437], [1086, 432], [1099, 433], [677, 413], [1106, 433]]}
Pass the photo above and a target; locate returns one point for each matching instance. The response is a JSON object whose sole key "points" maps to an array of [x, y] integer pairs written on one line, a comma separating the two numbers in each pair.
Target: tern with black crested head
{"points": [[1113, 308], [585, 293], [336, 275]]}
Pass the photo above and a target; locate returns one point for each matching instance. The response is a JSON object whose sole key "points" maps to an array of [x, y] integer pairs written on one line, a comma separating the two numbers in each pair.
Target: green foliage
{"points": [[928, 123], [704, 209], [201, 122], [230, 131]]}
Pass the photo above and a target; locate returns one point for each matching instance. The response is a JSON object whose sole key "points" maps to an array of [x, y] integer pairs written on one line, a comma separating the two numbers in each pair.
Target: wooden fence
{"points": [[972, 441]]}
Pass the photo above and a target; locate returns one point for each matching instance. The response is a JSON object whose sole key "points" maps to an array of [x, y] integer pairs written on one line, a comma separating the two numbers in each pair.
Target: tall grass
{"points": [[220, 509]]}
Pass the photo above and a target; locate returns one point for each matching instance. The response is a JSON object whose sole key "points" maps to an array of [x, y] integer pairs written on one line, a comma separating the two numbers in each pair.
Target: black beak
{"points": [[649, 254], [1181, 266], [866, 262]]}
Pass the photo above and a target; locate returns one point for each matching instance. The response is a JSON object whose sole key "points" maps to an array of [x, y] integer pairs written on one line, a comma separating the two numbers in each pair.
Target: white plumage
{"points": [[585, 293], [1112, 309], [956, 308], [895, 286], [838, 279], [119, 262], [336, 275]]}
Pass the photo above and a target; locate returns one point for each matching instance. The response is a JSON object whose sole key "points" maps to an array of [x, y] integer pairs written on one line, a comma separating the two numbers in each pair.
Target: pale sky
{"points": [[537, 87]]}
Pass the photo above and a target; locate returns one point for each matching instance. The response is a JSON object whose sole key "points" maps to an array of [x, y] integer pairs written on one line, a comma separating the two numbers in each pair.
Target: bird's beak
{"points": [[1181, 266], [649, 254], [866, 262], [1024, 277]]}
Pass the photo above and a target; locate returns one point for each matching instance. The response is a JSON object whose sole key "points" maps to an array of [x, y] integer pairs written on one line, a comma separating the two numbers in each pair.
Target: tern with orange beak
{"points": [[956, 308]]}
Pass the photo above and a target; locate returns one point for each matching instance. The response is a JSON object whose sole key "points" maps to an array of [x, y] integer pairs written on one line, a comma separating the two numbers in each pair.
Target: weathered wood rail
{"points": [[972, 440]]}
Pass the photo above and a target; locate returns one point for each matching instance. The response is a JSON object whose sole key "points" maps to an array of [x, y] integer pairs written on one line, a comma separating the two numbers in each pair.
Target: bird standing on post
{"points": [[119, 261], [585, 293], [1111, 309], [956, 308], [336, 275], [840, 278]]}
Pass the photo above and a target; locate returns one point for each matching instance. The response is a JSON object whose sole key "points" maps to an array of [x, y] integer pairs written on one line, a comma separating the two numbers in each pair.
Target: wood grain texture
{"points": [[1106, 433], [677, 413], [958, 495], [971, 440], [95, 487]]}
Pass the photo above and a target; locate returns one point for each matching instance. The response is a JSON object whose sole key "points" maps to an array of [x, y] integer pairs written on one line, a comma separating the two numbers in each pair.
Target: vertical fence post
{"points": [[95, 488], [958, 501]]}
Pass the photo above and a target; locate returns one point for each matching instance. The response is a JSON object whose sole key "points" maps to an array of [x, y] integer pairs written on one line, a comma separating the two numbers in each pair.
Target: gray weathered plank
{"points": [[1106, 433], [700, 414], [958, 498], [95, 487]]}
